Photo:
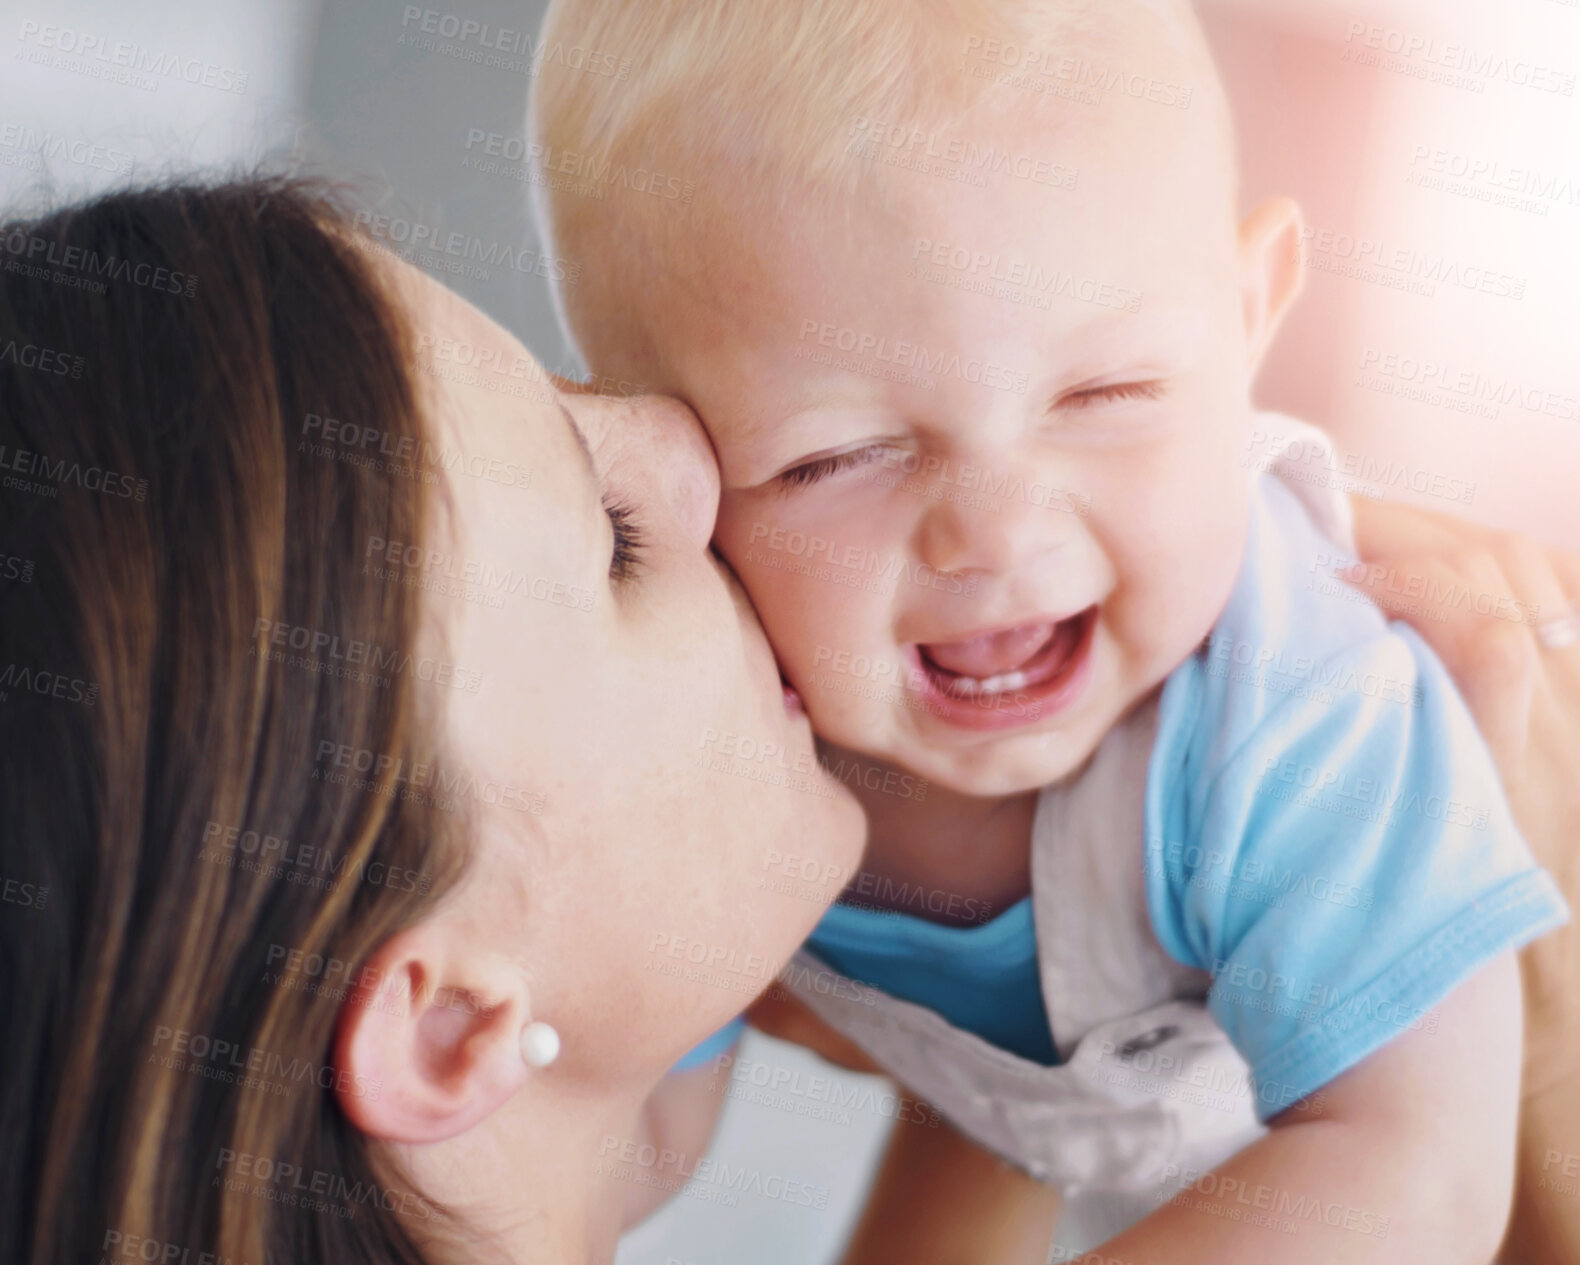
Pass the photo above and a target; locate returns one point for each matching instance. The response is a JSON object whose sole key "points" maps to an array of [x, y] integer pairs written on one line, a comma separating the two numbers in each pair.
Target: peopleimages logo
{"points": [[816, 1095], [1454, 65], [341, 764], [1421, 377], [929, 476], [53, 474], [991, 269], [1401, 267], [305, 865], [252, 1067], [503, 47], [123, 61], [27, 895], [323, 651], [628, 1159], [47, 684], [45, 359], [1331, 788], [1025, 66], [854, 560], [35, 147], [461, 253], [917, 357], [501, 149], [121, 1246], [1296, 1206], [314, 1190], [30, 252]]}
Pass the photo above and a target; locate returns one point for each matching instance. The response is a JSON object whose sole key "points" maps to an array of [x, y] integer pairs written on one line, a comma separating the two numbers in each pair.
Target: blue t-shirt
{"points": [[1326, 831], [983, 978], [1325, 834]]}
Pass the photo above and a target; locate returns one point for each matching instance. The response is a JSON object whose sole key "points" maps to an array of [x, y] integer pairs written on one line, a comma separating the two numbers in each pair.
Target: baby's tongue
{"points": [[992, 654]]}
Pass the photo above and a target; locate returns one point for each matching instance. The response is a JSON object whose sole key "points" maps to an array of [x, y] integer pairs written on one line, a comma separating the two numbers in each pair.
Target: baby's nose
{"points": [[993, 539]]}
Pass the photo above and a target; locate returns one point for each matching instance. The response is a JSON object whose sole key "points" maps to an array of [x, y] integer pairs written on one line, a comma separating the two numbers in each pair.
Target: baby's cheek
{"points": [[813, 592], [1193, 584]]}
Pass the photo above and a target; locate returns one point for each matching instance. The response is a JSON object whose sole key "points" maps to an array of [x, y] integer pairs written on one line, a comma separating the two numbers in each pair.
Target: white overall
{"points": [[1148, 1088]]}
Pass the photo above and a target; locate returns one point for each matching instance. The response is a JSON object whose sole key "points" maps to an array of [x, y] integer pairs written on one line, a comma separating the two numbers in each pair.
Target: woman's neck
{"points": [[540, 1180]]}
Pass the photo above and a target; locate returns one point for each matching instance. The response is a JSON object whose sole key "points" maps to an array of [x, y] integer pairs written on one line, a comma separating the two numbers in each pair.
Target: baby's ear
{"points": [[1270, 271], [428, 1044]]}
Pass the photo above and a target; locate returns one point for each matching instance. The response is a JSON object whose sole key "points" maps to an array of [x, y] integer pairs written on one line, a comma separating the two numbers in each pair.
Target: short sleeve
{"points": [[1332, 845]]}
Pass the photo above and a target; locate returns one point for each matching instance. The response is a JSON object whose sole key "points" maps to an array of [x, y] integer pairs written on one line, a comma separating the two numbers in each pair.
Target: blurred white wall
{"points": [[1456, 156], [96, 92]]}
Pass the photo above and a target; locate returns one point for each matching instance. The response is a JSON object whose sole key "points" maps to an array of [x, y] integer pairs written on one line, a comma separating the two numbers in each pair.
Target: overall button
{"points": [[1147, 1041]]}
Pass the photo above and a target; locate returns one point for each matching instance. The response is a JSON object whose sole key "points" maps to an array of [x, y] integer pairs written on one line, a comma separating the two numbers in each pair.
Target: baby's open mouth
{"points": [[1002, 662], [1009, 676]]}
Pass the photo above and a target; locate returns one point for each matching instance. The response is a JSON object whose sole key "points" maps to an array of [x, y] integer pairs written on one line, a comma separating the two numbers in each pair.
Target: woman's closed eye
{"points": [[625, 562]]}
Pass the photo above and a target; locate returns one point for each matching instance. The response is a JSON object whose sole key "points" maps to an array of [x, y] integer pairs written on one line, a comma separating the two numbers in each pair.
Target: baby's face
{"points": [[982, 449]]}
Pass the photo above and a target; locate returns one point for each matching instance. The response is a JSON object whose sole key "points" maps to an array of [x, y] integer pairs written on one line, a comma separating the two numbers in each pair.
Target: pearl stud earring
{"points": [[540, 1044]]}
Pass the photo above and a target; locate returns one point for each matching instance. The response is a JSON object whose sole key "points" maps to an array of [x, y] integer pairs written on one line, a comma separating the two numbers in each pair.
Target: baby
{"points": [[961, 291]]}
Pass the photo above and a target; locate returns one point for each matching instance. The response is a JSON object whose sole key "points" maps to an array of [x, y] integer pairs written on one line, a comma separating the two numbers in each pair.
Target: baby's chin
{"points": [[1004, 765], [978, 765]]}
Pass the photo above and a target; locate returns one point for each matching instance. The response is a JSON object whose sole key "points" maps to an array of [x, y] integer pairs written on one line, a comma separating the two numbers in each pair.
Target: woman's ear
{"points": [[1270, 271], [429, 1042]]}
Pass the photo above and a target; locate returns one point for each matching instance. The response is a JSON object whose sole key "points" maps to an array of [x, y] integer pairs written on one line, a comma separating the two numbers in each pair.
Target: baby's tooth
{"points": [[970, 686], [1004, 681]]}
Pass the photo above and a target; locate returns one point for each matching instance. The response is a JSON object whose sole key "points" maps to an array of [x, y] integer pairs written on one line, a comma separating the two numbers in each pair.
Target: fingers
{"points": [[1529, 570], [1386, 530], [1546, 581], [1564, 663], [1566, 566], [779, 1015], [1493, 661]]}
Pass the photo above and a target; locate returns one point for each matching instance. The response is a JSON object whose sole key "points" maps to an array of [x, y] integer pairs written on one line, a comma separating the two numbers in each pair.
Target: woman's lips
{"points": [[1007, 678]]}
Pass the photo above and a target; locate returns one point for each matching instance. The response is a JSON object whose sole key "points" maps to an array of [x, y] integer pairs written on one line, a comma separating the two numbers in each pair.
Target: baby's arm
{"points": [[1410, 1157], [940, 1199]]}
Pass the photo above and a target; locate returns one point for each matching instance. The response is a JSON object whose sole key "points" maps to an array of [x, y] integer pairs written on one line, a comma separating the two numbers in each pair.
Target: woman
{"points": [[376, 724]]}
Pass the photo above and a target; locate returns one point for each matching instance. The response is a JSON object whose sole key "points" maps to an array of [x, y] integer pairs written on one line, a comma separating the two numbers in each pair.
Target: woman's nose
{"points": [[669, 446]]}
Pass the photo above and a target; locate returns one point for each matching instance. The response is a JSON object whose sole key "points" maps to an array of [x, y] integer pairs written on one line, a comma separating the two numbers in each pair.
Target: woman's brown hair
{"points": [[205, 826]]}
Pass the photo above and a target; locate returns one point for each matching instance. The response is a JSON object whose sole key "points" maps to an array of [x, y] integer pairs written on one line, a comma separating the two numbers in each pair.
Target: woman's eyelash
{"points": [[625, 563], [1116, 391], [814, 471]]}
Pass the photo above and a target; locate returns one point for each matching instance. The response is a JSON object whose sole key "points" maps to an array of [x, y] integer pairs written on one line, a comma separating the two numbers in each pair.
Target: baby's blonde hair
{"points": [[766, 96]]}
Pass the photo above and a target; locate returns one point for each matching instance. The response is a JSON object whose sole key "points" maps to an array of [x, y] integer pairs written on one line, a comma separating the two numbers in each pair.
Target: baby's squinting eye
{"points": [[811, 472], [1114, 392]]}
